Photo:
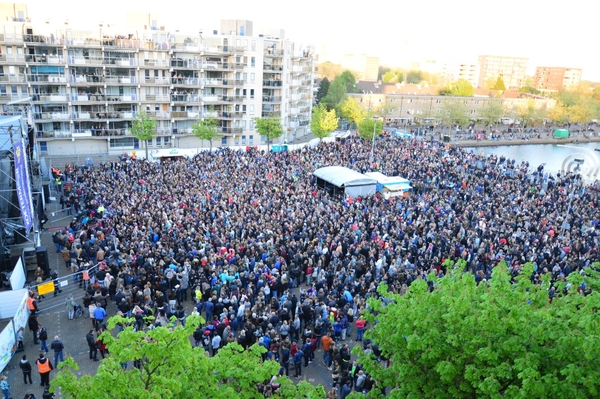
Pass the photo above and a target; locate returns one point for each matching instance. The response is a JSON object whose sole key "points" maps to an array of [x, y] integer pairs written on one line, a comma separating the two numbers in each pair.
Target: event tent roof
{"points": [[343, 177]]}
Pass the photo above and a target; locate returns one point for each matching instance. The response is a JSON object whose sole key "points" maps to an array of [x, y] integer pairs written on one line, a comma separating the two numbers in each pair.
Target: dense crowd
{"points": [[268, 257]]}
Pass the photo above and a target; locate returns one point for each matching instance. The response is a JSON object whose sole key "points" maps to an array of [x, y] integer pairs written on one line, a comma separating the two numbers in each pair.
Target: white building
{"points": [[87, 86]]}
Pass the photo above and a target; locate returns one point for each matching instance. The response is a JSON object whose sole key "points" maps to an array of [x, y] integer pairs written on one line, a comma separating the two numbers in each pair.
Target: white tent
{"points": [[340, 179]]}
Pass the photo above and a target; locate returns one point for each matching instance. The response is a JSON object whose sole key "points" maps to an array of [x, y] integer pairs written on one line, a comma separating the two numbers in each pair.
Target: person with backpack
{"points": [[71, 305], [25, 367]]}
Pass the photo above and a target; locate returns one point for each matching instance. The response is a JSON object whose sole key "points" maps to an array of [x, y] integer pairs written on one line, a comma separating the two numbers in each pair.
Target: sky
{"points": [[548, 33]]}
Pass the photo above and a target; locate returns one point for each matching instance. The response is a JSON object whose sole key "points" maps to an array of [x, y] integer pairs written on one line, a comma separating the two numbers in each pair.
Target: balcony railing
{"points": [[78, 60], [13, 78], [186, 81], [272, 83], [230, 130], [115, 80], [11, 58], [185, 97], [44, 59], [213, 98], [185, 114], [160, 98], [269, 52], [271, 114], [157, 80], [156, 63], [272, 68], [271, 99]]}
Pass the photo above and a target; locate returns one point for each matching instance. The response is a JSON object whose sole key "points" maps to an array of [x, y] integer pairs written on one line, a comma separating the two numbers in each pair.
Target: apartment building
{"points": [[86, 87], [455, 71], [407, 106], [365, 67], [556, 78], [512, 70]]}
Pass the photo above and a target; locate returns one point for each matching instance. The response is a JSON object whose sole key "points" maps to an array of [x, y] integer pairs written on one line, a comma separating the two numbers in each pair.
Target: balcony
{"points": [[159, 98], [13, 78], [185, 81], [185, 98], [229, 130], [85, 97], [160, 114], [118, 80], [156, 63], [120, 61], [294, 111], [215, 98], [187, 63], [271, 114], [270, 52], [72, 60], [54, 98], [215, 82], [185, 114], [227, 115], [296, 82], [293, 124], [215, 66], [218, 49], [157, 80], [272, 68], [271, 99], [272, 83], [54, 116], [85, 80], [49, 59], [11, 58]]}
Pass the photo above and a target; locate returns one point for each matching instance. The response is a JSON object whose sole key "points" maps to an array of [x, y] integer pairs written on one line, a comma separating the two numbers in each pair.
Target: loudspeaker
{"points": [[41, 253]]}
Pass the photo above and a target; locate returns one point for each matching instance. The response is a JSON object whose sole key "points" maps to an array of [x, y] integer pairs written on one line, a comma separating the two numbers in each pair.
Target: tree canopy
{"points": [[143, 128], [168, 367], [454, 111], [335, 95], [450, 337], [351, 109], [322, 91], [499, 85], [368, 126], [460, 88], [206, 129], [491, 112], [269, 128], [415, 77], [349, 80], [322, 121]]}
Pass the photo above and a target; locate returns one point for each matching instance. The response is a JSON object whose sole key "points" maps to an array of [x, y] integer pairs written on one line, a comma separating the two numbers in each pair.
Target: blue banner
{"points": [[23, 186]]}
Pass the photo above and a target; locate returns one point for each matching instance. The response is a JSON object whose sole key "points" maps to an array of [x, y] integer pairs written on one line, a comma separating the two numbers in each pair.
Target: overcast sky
{"points": [[548, 33]]}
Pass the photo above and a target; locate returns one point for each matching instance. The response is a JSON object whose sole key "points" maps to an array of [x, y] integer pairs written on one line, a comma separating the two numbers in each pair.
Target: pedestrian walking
{"points": [[58, 347], [5, 387], [70, 306], [42, 335], [44, 368], [91, 341], [25, 367], [34, 327]]}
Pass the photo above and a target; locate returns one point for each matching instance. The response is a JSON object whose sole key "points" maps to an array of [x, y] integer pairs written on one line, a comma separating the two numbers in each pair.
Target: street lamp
{"points": [[565, 224], [373, 141]]}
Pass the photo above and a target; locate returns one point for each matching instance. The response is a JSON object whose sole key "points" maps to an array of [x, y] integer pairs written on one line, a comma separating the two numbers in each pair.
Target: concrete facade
{"points": [[86, 87]]}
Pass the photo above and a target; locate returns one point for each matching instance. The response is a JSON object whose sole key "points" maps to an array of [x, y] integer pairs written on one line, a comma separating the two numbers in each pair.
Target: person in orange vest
{"points": [[44, 368], [32, 303]]}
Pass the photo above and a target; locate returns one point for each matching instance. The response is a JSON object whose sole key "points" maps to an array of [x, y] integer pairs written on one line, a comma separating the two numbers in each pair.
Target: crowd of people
{"points": [[267, 257]]}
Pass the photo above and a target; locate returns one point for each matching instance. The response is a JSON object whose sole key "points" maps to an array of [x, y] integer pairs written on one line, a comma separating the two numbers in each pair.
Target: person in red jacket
{"points": [[360, 328]]}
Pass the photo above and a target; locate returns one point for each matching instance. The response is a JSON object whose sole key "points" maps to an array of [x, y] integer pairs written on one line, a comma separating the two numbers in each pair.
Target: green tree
{"points": [[336, 94], [529, 89], [454, 111], [170, 368], [489, 83], [322, 121], [143, 128], [352, 110], [388, 77], [329, 70], [322, 91], [382, 71], [415, 77], [460, 88], [269, 128], [491, 112], [206, 129], [368, 126], [498, 339], [499, 85], [349, 80]]}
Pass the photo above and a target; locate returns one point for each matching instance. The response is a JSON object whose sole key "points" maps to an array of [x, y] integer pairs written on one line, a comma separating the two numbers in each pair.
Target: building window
{"points": [[236, 140], [2, 90], [246, 60], [245, 77], [251, 127], [251, 140], [244, 125], [251, 109], [409, 100], [243, 140], [43, 146], [252, 92], [253, 45], [158, 141], [253, 61], [13, 90], [252, 77], [224, 140]]}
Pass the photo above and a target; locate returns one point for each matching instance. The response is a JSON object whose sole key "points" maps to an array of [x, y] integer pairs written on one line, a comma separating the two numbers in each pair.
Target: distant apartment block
{"points": [[556, 78], [455, 71], [512, 70], [365, 67], [86, 87]]}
